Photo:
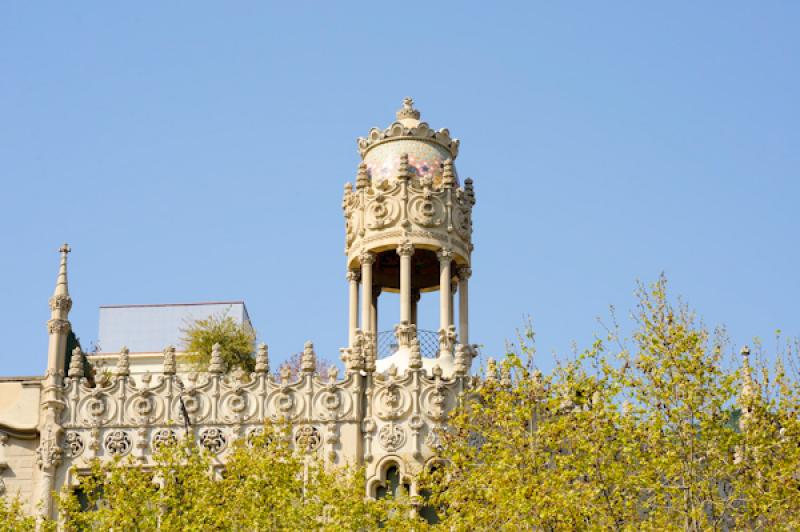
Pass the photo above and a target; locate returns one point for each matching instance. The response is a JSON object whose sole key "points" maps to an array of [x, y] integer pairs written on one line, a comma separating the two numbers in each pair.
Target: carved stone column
{"points": [[415, 297], [366, 259], [405, 250], [464, 273], [352, 278], [373, 311], [445, 258]]}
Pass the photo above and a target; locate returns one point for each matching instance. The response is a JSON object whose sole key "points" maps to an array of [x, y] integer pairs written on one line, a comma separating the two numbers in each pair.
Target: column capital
{"points": [[366, 257], [406, 249], [56, 326], [445, 255], [353, 275], [464, 272]]}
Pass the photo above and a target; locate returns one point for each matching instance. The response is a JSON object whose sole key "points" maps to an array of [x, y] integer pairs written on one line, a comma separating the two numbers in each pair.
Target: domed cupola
{"points": [[408, 225], [427, 150]]}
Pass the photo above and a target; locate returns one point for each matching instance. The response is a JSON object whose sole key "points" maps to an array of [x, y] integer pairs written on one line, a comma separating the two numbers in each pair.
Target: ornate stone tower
{"points": [[408, 225]]}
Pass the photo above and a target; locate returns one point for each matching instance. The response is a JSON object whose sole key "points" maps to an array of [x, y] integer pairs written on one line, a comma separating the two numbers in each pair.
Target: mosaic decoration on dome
{"points": [[424, 159]]}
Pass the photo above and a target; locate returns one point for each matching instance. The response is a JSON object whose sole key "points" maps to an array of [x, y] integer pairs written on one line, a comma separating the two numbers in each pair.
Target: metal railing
{"points": [[428, 343]]}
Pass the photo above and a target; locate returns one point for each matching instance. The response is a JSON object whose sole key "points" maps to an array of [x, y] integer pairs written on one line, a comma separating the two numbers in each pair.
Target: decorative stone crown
{"points": [[408, 126]]}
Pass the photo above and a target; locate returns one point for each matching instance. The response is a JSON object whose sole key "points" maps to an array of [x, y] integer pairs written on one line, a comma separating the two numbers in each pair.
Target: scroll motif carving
{"points": [[308, 438], [391, 437], [426, 210], [382, 212], [117, 443], [163, 437], [73, 444], [213, 439]]}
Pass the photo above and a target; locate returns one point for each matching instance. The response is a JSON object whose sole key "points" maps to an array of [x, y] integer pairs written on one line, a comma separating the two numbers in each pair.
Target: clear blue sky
{"points": [[195, 151]]}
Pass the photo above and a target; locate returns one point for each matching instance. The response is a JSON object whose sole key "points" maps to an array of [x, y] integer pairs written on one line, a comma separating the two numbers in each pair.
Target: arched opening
{"points": [[391, 483]]}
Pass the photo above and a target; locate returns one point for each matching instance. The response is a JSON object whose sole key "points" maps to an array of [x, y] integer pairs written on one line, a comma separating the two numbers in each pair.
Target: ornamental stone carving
{"points": [[252, 435], [117, 443], [48, 455], [58, 326], [163, 437], [391, 437], [307, 438], [213, 440], [407, 201], [73, 444]]}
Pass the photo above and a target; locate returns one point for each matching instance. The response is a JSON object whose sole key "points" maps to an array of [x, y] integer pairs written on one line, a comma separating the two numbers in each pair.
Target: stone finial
{"points": [[362, 179], [62, 287], [216, 365], [308, 362], [348, 193], [469, 190], [448, 174], [286, 373], [61, 302], [369, 352], [462, 359], [491, 370], [353, 356], [262, 358], [403, 172], [407, 112], [169, 360], [505, 375], [123, 362], [414, 355], [333, 374], [76, 364]]}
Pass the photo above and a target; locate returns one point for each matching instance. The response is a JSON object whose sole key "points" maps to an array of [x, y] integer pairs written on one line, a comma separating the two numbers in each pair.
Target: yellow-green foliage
{"points": [[625, 439], [235, 340], [12, 517], [661, 434], [264, 485]]}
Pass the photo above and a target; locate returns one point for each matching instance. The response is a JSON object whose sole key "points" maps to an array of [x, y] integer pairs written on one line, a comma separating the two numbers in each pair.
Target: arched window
{"points": [[390, 487]]}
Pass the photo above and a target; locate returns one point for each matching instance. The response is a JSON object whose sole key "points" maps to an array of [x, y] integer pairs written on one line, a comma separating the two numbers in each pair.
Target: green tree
{"points": [[236, 342], [13, 518], [625, 439], [264, 485]]}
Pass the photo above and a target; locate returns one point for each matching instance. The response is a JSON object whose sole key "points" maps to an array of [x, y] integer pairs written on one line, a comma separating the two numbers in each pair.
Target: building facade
{"points": [[408, 229]]}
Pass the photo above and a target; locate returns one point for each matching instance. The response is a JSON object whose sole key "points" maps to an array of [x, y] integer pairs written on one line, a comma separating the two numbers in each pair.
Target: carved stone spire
{"points": [[123, 363], [402, 171], [61, 302], [308, 362], [262, 359], [415, 356], [407, 115], [169, 360], [448, 175], [362, 179], [491, 370], [462, 359], [76, 364], [216, 365]]}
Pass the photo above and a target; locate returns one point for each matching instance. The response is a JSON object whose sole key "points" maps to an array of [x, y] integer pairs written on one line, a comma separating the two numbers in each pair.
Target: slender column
{"points": [[373, 309], [453, 288], [464, 273], [405, 250], [366, 259], [445, 257], [352, 277], [415, 296]]}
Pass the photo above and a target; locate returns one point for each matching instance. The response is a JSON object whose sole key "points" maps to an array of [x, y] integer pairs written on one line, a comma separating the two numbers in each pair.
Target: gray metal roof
{"points": [[151, 328]]}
